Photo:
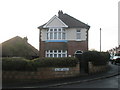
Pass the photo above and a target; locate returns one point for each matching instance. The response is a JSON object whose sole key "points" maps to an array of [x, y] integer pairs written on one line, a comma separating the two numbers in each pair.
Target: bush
{"points": [[21, 64], [97, 58], [56, 62], [18, 64], [105, 57]]}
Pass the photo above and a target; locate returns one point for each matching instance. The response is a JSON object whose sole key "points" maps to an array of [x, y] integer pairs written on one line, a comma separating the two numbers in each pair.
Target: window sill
{"points": [[80, 40], [56, 40]]}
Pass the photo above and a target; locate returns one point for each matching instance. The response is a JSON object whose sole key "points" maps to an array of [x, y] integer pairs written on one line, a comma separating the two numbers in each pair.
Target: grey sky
{"points": [[22, 17]]}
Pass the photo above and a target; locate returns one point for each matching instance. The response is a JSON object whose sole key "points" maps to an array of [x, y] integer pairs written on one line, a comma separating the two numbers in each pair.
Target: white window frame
{"points": [[59, 32], [52, 53], [78, 34]]}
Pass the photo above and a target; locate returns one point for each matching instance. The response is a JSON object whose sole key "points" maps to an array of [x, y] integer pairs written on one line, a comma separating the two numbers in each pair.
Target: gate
{"points": [[82, 64]]}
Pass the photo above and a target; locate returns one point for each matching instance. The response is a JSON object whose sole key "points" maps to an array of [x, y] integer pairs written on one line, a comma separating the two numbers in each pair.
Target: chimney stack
{"points": [[60, 13], [25, 39]]}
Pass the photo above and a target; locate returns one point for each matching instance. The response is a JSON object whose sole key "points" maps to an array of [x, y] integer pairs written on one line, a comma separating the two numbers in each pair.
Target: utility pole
{"points": [[100, 39], [40, 43]]}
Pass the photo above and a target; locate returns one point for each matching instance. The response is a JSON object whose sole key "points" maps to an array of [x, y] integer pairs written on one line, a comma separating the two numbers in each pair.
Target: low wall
{"points": [[41, 73], [49, 73], [96, 69]]}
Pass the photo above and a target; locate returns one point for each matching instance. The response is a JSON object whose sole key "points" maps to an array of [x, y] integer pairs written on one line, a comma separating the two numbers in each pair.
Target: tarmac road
{"points": [[111, 82]]}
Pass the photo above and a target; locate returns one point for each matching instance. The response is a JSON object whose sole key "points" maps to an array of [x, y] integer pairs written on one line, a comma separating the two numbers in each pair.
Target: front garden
{"points": [[18, 68], [22, 64]]}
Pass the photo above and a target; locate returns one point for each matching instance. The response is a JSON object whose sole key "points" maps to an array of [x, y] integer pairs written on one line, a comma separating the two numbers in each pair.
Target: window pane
{"points": [[51, 51], [55, 55], [59, 55], [59, 51], [51, 55], [51, 35], [59, 35], [55, 35], [47, 55], [59, 30], [51, 30], [55, 30], [55, 51], [63, 36], [78, 35], [63, 55], [78, 30]]}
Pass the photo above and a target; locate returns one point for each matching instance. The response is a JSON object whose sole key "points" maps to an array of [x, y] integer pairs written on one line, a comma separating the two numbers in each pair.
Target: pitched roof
{"points": [[19, 47], [70, 21]]}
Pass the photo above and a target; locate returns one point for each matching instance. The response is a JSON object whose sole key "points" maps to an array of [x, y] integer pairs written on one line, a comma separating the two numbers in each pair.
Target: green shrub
{"points": [[21, 64], [56, 62], [97, 58], [105, 57], [18, 64]]}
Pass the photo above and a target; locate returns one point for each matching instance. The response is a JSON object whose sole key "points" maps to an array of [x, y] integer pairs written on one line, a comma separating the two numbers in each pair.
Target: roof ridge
{"points": [[12, 39]]}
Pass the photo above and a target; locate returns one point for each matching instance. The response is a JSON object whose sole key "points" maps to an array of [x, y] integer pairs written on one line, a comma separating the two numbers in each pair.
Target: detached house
{"points": [[62, 36], [18, 47]]}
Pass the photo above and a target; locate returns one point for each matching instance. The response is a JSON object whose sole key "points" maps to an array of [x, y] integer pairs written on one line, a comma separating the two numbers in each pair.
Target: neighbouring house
{"points": [[62, 36], [114, 50], [19, 47]]}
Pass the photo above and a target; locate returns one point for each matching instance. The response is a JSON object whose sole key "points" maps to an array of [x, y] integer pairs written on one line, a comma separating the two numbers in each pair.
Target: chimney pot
{"points": [[60, 13]]}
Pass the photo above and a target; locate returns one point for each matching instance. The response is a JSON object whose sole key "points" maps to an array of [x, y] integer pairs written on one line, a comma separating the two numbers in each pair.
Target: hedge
{"points": [[18, 64], [97, 58], [21, 64], [56, 62]]}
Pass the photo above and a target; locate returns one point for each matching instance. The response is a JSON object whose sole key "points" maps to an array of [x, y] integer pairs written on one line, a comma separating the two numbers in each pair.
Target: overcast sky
{"points": [[22, 17]]}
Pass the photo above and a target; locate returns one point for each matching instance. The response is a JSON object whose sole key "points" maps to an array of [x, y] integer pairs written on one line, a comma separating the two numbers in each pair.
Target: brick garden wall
{"points": [[49, 73], [40, 74], [97, 69]]}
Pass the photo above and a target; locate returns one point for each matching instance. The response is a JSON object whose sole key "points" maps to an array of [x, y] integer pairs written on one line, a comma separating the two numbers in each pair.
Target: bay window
{"points": [[56, 34], [56, 53]]}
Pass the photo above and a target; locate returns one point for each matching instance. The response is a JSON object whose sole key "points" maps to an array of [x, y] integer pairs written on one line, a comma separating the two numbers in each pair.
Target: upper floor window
{"points": [[56, 34], [78, 34]]}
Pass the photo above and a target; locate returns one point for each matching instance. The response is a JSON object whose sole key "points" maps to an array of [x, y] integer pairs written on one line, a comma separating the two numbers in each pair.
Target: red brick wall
{"points": [[76, 45], [70, 46], [42, 49], [56, 46]]}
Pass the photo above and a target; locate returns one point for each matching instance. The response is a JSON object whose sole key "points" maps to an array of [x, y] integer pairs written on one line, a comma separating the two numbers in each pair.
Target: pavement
{"points": [[113, 70]]}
